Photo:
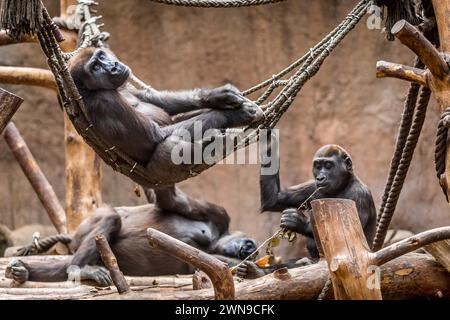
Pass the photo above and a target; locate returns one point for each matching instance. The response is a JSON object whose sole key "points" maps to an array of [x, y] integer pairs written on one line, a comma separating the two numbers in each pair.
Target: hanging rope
{"points": [[405, 127], [385, 217], [441, 148], [217, 3]]}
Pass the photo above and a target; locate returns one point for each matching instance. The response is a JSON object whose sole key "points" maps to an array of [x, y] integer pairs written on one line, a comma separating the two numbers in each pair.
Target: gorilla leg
{"points": [[105, 221], [216, 119], [38, 271], [173, 199], [58, 271]]}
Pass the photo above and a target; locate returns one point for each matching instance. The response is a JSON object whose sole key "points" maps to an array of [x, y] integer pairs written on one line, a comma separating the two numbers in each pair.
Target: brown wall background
{"points": [[174, 48]]}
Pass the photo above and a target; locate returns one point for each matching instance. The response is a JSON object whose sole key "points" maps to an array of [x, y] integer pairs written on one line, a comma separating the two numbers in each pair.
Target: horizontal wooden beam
{"points": [[410, 244], [400, 71], [28, 76]]}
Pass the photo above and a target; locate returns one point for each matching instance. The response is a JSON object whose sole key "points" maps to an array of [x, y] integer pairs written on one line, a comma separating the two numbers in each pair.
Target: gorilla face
{"points": [[105, 71], [331, 174], [236, 245]]}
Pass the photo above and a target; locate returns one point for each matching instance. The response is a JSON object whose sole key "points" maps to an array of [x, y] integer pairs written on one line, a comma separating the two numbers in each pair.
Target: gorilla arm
{"points": [[175, 102], [272, 197]]}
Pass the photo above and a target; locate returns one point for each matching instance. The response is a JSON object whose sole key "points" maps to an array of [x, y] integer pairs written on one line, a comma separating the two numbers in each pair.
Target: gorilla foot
{"points": [[17, 271], [250, 112]]}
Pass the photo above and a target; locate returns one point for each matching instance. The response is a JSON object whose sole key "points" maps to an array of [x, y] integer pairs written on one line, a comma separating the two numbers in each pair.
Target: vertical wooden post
{"points": [[9, 104], [36, 177], [441, 251], [83, 171], [110, 261], [336, 222]]}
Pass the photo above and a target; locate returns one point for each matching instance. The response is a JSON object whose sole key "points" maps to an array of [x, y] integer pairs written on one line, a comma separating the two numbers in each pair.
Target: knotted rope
{"points": [[217, 3], [441, 147], [42, 245], [386, 215]]}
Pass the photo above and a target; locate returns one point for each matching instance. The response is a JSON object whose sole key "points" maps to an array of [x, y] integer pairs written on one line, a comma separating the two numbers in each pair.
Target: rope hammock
{"points": [[217, 3], [305, 68]]}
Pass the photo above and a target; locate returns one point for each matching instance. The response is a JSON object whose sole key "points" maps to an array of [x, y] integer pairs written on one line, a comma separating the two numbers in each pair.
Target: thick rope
{"points": [[441, 147], [326, 288], [217, 3], [42, 245], [405, 161], [405, 127]]}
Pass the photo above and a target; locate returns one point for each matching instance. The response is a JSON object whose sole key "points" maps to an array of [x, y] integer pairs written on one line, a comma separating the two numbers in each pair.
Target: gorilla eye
{"points": [[96, 67], [328, 165]]}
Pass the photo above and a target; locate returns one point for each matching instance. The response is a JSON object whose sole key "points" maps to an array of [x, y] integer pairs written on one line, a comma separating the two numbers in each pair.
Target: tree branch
{"points": [[424, 49], [410, 244], [216, 270], [399, 71], [27, 76]]}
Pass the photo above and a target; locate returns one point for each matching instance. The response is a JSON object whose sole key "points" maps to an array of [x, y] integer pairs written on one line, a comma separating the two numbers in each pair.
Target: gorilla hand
{"points": [[250, 270], [294, 221]]}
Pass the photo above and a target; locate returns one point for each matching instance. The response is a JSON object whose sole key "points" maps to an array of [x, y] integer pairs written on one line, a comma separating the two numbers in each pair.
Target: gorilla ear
{"points": [[349, 164]]}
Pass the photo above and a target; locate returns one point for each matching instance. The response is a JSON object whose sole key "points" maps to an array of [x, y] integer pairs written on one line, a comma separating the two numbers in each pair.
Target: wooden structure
{"points": [[436, 77], [355, 271]]}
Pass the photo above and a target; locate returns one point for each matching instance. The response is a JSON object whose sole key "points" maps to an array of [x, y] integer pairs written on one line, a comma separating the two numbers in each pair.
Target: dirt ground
{"points": [[174, 48]]}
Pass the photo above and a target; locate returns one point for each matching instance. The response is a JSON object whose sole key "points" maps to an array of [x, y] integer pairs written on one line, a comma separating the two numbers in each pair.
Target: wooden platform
{"points": [[70, 290]]}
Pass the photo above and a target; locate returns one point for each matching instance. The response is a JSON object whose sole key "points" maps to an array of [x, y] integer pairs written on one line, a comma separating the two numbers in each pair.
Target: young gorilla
{"points": [[333, 178], [125, 229], [139, 123]]}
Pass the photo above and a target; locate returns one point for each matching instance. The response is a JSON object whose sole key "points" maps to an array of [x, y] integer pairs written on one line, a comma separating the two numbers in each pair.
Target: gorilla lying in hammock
{"points": [[125, 229]]}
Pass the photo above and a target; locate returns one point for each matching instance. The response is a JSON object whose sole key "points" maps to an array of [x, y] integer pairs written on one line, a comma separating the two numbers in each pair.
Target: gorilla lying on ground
{"points": [[125, 229]]}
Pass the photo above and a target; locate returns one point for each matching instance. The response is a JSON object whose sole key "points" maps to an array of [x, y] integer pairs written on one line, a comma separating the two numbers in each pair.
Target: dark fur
{"points": [[125, 229], [339, 182], [138, 122]]}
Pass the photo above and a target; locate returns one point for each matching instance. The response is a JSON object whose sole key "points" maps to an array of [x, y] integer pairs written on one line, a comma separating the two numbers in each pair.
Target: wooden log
{"points": [[83, 178], [345, 248], [216, 270], [200, 280], [110, 261], [6, 40], [424, 49], [9, 104], [409, 244], [440, 251], [399, 71], [36, 177], [28, 76], [412, 276], [441, 91], [70, 36]]}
